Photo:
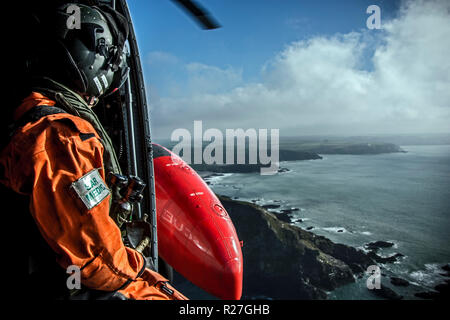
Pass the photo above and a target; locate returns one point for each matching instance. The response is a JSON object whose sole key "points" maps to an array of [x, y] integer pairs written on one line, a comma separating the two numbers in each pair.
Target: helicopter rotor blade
{"points": [[199, 14]]}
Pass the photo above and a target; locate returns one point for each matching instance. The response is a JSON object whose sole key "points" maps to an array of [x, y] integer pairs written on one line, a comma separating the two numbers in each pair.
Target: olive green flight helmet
{"points": [[86, 49]]}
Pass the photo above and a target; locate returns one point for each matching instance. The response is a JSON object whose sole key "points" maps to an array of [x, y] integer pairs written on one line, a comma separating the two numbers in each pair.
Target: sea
{"points": [[403, 198]]}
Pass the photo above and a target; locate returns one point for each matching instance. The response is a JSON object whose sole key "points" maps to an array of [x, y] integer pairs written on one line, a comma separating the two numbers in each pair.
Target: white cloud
{"points": [[203, 78], [320, 86], [161, 57]]}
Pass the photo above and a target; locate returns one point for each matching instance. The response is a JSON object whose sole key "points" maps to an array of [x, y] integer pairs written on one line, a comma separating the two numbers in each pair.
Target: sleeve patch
{"points": [[91, 189]]}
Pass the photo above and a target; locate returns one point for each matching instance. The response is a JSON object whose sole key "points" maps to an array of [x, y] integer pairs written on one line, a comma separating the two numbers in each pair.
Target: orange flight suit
{"points": [[41, 161]]}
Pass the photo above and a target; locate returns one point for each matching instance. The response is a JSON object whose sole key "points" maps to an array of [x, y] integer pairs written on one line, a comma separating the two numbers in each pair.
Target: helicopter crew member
{"points": [[57, 159]]}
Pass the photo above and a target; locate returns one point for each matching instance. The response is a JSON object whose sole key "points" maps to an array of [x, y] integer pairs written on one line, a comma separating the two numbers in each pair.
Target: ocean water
{"points": [[403, 198]]}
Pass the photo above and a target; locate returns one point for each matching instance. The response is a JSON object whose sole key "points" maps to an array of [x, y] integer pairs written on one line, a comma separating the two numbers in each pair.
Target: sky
{"points": [[303, 67]]}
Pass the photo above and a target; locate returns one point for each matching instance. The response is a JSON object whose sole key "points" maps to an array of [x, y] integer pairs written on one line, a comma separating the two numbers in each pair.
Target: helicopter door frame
{"points": [[139, 132]]}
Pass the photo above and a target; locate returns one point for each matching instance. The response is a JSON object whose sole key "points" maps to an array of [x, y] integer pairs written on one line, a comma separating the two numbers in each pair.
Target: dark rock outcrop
{"points": [[378, 245], [283, 261], [283, 216], [441, 291], [289, 210], [270, 206], [399, 282], [357, 260], [391, 259], [446, 268]]}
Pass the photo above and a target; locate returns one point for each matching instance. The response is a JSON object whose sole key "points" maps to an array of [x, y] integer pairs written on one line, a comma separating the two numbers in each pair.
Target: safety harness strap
{"points": [[73, 104]]}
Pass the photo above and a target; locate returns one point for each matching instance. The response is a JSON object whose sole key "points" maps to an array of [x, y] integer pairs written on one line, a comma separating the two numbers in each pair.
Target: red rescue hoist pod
{"points": [[195, 233]]}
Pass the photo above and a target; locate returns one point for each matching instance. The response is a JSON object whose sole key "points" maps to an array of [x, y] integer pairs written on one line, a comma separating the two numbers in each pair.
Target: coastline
{"points": [[423, 278], [280, 255]]}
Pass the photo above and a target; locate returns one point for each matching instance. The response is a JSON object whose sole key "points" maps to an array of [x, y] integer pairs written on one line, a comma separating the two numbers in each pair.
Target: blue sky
{"points": [[265, 47], [252, 31]]}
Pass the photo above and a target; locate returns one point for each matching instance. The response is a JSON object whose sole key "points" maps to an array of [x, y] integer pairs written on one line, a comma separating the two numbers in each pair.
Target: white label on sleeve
{"points": [[91, 189]]}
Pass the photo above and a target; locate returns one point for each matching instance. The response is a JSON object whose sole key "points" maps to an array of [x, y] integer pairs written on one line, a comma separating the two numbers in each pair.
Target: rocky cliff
{"points": [[282, 261]]}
